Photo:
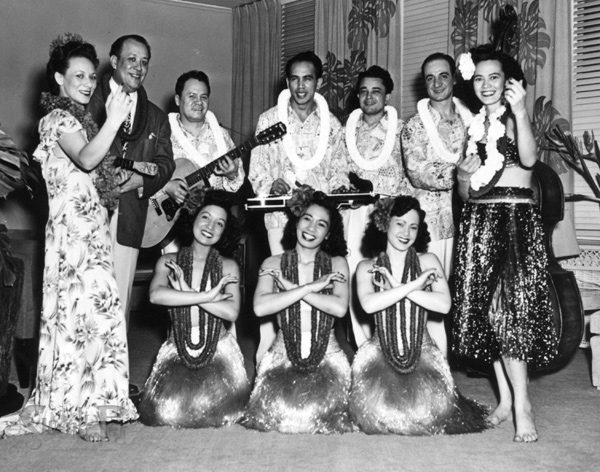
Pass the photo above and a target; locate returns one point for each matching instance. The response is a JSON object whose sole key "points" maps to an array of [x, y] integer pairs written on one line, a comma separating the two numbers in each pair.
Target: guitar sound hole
{"points": [[170, 207]]}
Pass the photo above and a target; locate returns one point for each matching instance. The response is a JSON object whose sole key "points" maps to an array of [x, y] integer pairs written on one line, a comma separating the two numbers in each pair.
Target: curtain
{"points": [[256, 58], [350, 36]]}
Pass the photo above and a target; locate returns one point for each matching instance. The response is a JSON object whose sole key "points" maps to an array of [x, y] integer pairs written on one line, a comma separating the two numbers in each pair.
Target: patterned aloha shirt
{"points": [[433, 177], [390, 178], [206, 147], [269, 161]]}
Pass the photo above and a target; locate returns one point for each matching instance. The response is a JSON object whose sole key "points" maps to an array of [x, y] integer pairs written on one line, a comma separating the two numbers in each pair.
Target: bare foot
{"points": [[499, 415], [526, 430], [94, 432]]}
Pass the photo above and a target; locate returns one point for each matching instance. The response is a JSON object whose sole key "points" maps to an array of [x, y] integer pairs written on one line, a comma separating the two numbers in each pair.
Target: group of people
{"points": [[105, 149]]}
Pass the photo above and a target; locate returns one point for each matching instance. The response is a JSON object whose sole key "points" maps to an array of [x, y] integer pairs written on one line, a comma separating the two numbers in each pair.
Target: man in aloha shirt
{"points": [[311, 152], [432, 143], [197, 136], [372, 138]]}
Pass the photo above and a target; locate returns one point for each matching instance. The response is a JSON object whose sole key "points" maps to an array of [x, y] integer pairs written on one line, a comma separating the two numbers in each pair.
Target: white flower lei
{"points": [[439, 148], [215, 128], [288, 143], [388, 145], [494, 160]]}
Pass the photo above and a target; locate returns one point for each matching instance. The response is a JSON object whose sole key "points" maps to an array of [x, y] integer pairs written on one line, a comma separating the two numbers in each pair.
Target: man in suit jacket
{"points": [[146, 137]]}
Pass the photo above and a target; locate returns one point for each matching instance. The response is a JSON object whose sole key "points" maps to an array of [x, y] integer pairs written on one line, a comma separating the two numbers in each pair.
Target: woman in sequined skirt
{"points": [[502, 309], [198, 379], [401, 382], [303, 380]]}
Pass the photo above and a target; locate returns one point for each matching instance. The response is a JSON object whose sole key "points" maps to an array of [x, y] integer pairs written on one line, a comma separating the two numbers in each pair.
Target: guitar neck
{"points": [[201, 174]]}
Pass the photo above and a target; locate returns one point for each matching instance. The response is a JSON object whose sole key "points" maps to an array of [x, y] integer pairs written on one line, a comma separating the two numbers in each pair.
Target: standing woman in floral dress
{"points": [[83, 367], [503, 314]]}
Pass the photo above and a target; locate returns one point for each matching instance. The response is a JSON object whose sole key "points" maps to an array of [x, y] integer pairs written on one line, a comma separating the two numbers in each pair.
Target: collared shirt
{"points": [[270, 162], [390, 178], [206, 151], [134, 98], [433, 177]]}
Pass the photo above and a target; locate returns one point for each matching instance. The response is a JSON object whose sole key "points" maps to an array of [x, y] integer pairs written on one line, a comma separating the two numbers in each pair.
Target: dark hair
{"points": [[192, 74], [61, 56], [376, 240], [376, 72], [229, 241], [117, 47], [306, 56], [511, 68], [436, 56], [335, 243]]}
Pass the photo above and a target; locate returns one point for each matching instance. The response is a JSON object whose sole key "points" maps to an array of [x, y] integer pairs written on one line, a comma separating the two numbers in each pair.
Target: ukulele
{"points": [[163, 210]]}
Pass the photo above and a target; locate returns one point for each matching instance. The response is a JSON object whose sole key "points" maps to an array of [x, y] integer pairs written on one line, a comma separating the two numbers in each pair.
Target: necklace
{"points": [[321, 323], [388, 145], [210, 326], [439, 148], [288, 142], [104, 176], [188, 148], [494, 161], [403, 359]]}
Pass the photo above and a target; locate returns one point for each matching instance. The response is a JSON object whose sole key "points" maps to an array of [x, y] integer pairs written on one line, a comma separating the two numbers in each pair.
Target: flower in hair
{"points": [[194, 199], [466, 66], [300, 200], [63, 39], [381, 213]]}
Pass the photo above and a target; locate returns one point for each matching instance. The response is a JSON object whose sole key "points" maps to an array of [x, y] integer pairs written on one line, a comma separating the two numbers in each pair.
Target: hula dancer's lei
{"points": [[495, 160], [439, 148], [388, 145], [288, 142]]}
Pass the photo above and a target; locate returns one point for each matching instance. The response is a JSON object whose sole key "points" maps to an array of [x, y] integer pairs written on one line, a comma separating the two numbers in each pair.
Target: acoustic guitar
{"points": [[163, 211]]}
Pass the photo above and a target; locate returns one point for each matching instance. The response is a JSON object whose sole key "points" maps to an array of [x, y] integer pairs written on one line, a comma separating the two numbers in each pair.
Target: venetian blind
{"points": [[297, 29], [425, 31], [586, 106]]}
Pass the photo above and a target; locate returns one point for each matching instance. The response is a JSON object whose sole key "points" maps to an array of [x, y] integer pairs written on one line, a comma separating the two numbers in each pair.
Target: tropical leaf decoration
{"points": [[7, 268], [366, 16], [464, 34], [13, 166], [339, 80], [533, 40], [545, 119], [490, 9]]}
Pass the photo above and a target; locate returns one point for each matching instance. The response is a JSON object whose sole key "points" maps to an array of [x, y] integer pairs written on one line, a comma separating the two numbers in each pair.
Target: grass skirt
{"points": [[421, 403], [502, 305], [290, 401], [212, 396]]}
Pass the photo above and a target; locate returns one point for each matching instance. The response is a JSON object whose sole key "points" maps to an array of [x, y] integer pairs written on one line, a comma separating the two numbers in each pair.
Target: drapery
{"points": [[350, 36], [256, 59]]}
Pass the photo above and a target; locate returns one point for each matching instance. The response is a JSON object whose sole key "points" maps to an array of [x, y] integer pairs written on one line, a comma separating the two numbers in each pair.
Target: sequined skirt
{"points": [[423, 402], [502, 305], [212, 396], [290, 401]]}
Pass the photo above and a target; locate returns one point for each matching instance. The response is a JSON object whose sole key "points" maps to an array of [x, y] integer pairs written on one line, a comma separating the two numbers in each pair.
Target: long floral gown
{"points": [[83, 366]]}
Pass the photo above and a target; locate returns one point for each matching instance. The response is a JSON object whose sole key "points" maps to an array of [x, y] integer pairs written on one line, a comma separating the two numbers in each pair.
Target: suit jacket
{"points": [[153, 146]]}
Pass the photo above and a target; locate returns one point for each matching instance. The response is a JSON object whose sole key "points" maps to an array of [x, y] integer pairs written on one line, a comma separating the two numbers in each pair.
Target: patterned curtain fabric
{"points": [[256, 59], [350, 36], [543, 49]]}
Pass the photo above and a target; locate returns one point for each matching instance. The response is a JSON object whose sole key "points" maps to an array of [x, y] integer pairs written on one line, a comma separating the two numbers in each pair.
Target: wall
{"points": [[183, 36]]}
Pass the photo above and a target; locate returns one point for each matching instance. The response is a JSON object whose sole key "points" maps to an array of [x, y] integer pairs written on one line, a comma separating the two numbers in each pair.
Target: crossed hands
{"points": [[427, 277], [214, 295], [323, 282]]}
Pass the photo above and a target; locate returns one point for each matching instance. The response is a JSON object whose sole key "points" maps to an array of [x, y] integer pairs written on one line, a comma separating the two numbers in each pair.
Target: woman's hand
{"points": [[326, 281], [118, 106], [176, 278], [282, 283], [515, 94], [387, 277], [426, 278], [215, 294]]}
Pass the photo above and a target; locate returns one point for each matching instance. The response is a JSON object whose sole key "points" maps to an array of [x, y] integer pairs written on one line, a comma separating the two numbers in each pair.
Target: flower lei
{"points": [[288, 143], [439, 148], [321, 322], [210, 326], [495, 159], [388, 145], [105, 175], [403, 359], [215, 128]]}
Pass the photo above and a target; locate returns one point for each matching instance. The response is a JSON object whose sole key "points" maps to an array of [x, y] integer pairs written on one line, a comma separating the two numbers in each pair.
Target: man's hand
{"points": [[280, 187], [136, 181], [227, 168], [177, 189]]}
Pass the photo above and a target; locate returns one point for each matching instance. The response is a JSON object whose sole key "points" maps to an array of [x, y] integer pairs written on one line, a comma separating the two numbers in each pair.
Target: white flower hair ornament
{"points": [[466, 66]]}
